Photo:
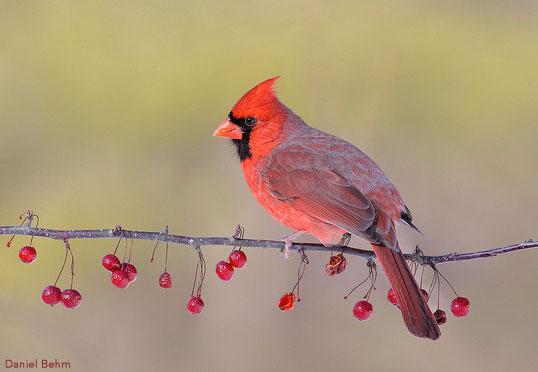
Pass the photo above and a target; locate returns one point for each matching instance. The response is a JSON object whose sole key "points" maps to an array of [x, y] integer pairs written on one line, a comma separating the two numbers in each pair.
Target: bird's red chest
{"points": [[258, 187], [282, 211]]}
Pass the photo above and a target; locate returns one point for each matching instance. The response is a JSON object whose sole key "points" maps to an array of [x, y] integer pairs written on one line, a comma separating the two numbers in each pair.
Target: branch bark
{"points": [[193, 241]]}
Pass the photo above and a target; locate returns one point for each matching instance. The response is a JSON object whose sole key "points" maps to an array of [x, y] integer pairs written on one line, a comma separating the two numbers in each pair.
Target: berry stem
{"points": [[125, 251], [300, 272], [166, 251], [117, 245], [130, 251], [153, 253], [372, 275], [62, 268], [438, 292], [166, 258], [357, 286], [202, 271], [195, 276], [159, 238], [432, 284], [200, 268], [68, 247], [373, 278], [446, 280]]}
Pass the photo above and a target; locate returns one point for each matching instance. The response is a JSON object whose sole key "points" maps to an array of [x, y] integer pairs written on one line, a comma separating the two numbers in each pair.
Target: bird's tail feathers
{"points": [[414, 307]]}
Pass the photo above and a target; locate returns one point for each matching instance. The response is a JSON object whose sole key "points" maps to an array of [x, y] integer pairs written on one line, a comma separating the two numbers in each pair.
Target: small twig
{"points": [[119, 232]]}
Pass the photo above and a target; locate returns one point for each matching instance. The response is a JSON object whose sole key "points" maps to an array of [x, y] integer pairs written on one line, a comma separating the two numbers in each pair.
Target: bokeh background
{"points": [[106, 115]]}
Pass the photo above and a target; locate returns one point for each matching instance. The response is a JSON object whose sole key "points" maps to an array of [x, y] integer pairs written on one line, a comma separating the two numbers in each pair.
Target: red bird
{"points": [[319, 184]]}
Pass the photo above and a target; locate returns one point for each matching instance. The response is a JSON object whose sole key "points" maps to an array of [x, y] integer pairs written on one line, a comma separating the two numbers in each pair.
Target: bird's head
{"points": [[255, 122]]}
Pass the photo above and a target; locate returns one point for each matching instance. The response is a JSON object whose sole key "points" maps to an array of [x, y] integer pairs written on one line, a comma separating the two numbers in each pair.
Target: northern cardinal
{"points": [[319, 184]]}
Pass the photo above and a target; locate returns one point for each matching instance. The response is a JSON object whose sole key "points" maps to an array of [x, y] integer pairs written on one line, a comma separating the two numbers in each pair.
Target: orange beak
{"points": [[229, 130]]}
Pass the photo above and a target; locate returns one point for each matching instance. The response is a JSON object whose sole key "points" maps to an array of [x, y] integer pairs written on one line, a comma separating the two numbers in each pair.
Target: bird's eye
{"points": [[250, 121]]}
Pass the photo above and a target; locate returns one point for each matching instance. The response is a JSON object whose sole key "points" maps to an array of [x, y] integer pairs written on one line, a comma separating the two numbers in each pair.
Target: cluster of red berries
{"points": [[70, 298], [459, 307], [123, 274], [51, 295], [225, 269]]}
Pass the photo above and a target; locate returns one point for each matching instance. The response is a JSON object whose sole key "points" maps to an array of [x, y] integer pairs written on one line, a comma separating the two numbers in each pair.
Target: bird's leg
{"points": [[288, 241], [346, 238]]}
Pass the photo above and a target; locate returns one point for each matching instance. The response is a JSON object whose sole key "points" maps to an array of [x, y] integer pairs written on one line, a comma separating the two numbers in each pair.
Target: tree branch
{"points": [[119, 232]]}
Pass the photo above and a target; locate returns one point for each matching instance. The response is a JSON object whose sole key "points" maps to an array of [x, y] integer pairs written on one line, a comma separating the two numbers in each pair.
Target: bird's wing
{"points": [[308, 181]]}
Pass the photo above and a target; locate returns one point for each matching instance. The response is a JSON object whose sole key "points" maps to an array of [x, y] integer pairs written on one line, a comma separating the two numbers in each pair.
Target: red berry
{"points": [[224, 270], [27, 254], [120, 279], [336, 264], [71, 298], [51, 295], [363, 310], [440, 316], [424, 294], [460, 306], [195, 305], [287, 301], [238, 259], [130, 270], [111, 262], [165, 281], [391, 296]]}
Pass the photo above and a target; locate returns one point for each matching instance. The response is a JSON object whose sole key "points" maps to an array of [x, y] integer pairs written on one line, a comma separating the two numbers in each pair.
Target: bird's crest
{"points": [[260, 101]]}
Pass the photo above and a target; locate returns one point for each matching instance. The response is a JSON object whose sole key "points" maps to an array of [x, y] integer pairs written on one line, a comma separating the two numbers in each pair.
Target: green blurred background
{"points": [[106, 115]]}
